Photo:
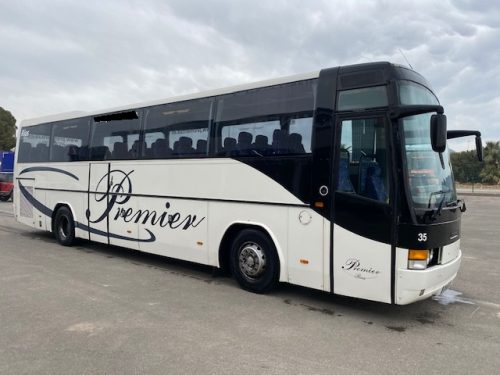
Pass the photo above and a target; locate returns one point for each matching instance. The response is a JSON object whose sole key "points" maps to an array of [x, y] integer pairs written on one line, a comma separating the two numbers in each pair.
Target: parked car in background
{"points": [[6, 185]]}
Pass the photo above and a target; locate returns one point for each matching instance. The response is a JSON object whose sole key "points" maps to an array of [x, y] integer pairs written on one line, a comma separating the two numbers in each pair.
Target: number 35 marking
{"points": [[422, 237]]}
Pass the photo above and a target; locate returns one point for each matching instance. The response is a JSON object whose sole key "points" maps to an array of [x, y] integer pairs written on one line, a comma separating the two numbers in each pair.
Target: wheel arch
{"points": [[236, 227]]}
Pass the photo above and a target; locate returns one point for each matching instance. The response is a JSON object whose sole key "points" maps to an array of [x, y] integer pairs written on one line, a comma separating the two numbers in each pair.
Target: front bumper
{"points": [[412, 285]]}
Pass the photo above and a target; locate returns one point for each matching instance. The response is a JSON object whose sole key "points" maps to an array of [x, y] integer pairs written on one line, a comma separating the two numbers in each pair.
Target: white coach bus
{"points": [[338, 180]]}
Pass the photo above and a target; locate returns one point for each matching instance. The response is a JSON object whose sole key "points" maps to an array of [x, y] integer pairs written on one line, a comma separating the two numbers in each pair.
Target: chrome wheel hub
{"points": [[252, 260]]}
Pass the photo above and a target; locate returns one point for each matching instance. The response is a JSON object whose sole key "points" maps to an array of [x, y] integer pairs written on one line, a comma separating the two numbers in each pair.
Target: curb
{"points": [[478, 194]]}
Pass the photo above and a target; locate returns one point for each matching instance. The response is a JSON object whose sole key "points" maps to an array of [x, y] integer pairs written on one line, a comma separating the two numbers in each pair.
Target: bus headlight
{"points": [[418, 259]]}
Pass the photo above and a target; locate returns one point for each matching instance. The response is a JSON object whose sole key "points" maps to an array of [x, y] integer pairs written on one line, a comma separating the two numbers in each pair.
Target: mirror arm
{"points": [[450, 134]]}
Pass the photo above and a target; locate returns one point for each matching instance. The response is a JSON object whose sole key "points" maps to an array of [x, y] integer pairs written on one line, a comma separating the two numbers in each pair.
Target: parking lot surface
{"points": [[94, 309]]}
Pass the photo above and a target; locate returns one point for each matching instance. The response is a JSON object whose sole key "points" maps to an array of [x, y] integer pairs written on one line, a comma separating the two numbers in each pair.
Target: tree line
{"points": [[467, 169], [7, 130]]}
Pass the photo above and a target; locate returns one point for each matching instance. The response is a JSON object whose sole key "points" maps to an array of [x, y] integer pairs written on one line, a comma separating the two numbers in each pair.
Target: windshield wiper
{"points": [[438, 211], [439, 192], [433, 213]]}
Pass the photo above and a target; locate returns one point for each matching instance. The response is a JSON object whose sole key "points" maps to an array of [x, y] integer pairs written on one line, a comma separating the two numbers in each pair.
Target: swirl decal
{"points": [[115, 190], [48, 212], [48, 169], [118, 192]]}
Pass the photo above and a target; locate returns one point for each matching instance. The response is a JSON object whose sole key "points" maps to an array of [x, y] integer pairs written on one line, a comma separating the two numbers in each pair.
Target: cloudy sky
{"points": [[65, 55]]}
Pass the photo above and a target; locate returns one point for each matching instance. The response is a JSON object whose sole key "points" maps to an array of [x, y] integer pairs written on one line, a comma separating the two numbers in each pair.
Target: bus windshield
{"points": [[428, 173]]}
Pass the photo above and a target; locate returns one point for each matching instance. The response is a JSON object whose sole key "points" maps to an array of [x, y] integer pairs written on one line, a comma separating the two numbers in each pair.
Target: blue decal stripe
{"points": [[48, 169], [99, 232]]}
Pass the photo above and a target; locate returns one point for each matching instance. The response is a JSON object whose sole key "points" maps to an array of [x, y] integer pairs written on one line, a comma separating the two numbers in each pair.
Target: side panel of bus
{"points": [[41, 188]]}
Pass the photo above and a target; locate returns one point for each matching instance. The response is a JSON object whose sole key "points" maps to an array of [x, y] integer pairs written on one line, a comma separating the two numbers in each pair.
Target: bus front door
{"points": [[362, 228]]}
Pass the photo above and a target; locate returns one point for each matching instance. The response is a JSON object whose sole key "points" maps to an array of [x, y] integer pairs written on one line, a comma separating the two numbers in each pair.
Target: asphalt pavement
{"points": [[95, 309]]}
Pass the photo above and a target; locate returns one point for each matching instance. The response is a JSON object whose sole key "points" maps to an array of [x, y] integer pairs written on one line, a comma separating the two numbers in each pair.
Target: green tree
{"points": [[466, 167], [7, 130], [491, 169]]}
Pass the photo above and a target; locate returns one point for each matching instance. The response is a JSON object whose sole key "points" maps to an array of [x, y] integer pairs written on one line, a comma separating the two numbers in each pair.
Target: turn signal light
{"points": [[418, 259], [319, 204], [418, 254]]}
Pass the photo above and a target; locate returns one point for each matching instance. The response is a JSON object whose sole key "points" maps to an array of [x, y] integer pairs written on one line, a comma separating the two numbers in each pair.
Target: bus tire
{"points": [[254, 261], [64, 227]]}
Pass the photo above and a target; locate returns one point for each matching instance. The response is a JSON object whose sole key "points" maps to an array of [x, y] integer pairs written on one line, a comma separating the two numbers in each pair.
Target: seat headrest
{"points": [[245, 137]]}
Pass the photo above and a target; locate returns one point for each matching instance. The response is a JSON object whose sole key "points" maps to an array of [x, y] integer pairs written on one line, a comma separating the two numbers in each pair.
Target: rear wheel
{"points": [[254, 261], [64, 227], [4, 198]]}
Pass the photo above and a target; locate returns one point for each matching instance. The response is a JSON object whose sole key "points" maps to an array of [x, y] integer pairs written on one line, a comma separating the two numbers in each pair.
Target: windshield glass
{"points": [[429, 175]]}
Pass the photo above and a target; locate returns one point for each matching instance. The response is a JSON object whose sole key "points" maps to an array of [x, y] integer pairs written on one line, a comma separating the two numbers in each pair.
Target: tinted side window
{"points": [[70, 140], [116, 137], [274, 120], [369, 97], [178, 130], [34, 144]]}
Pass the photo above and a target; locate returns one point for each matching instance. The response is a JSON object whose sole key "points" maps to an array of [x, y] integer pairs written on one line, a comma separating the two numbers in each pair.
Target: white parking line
{"points": [[489, 304]]}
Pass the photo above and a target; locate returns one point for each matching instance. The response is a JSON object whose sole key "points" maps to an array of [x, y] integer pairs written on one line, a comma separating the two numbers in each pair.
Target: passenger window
{"points": [[116, 137], [183, 126], [34, 144], [189, 141], [151, 138], [301, 127], [153, 142], [249, 139], [70, 140], [363, 159], [269, 121]]}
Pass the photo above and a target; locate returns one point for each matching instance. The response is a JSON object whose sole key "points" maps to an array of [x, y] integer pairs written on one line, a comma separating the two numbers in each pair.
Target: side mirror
{"points": [[438, 132], [479, 148]]}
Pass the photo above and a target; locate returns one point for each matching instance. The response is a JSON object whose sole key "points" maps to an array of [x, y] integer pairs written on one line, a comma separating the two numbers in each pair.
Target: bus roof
{"points": [[202, 94], [386, 69]]}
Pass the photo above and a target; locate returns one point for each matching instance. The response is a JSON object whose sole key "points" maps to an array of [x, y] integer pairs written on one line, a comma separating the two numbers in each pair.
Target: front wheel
{"points": [[254, 261], [64, 227]]}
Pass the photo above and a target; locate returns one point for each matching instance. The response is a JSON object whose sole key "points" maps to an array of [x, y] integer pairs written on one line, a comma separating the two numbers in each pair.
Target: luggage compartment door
{"points": [[98, 202]]}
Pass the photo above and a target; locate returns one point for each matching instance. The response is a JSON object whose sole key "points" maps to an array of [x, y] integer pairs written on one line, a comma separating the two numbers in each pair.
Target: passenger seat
{"points": [[375, 187]]}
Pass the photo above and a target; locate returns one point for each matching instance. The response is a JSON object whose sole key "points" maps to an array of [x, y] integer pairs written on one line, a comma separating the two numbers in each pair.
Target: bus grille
{"points": [[26, 208]]}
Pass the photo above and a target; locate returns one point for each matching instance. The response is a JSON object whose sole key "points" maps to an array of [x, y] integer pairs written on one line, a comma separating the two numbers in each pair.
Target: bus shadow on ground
{"points": [[395, 318], [176, 266]]}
